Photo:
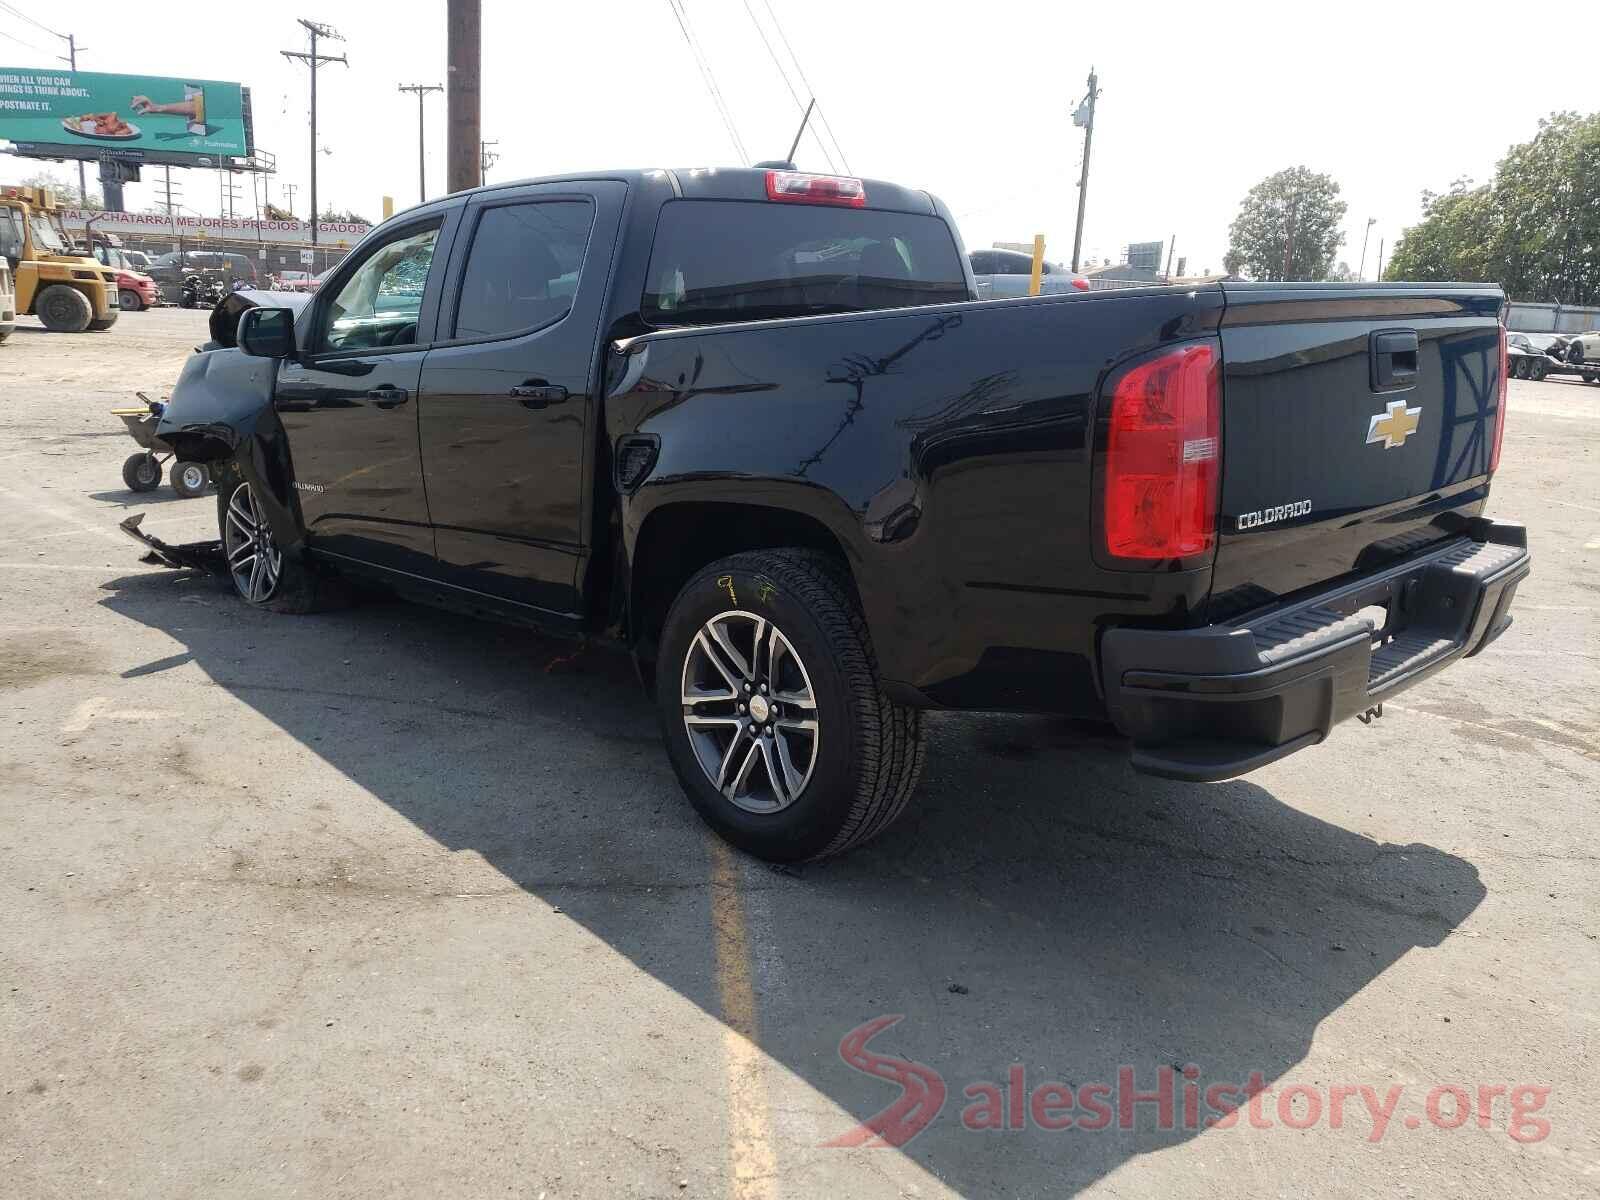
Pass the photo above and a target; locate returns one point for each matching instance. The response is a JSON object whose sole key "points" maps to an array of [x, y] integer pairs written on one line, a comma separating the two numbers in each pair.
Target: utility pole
{"points": [[1380, 260], [486, 158], [463, 38], [1361, 273], [422, 90], [71, 59], [1172, 247], [313, 59], [289, 189], [1084, 117]]}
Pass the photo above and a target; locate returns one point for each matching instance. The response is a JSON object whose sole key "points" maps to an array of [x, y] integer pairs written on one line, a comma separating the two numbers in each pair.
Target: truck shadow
{"points": [[1040, 909]]}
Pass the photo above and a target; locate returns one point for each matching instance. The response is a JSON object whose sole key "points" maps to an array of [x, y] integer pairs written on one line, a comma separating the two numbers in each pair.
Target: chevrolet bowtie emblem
{"points": [[1393, 426]]}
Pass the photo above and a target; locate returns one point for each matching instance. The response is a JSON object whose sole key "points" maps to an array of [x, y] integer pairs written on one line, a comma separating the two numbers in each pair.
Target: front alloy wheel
{"points": [[253, 561], [750, 712]]}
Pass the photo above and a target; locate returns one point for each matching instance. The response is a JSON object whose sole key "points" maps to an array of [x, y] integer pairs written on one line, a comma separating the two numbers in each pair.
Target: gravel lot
{"points": [[386, 902]]}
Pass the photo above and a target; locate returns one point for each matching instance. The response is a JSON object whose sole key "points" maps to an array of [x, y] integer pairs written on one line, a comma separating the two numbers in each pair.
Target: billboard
{"points": [[87, 114], [1146, 256], [236, 229]]}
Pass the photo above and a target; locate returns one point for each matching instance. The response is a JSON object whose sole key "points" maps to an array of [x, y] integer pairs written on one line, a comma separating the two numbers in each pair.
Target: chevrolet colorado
{"points": [[755, 424]]}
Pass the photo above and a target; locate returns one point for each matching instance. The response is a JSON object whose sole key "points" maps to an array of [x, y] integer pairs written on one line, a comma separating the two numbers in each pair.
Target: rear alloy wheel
{"points": [[254, 562], [776, 723], [749, 711]]}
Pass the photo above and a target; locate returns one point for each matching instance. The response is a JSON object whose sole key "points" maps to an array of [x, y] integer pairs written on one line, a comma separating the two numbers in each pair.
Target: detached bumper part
{"points": [[197, 556], [1215, 702]]}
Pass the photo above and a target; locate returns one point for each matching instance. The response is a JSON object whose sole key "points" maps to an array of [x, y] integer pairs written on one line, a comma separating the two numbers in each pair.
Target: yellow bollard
{"points": [[1038, 264]]}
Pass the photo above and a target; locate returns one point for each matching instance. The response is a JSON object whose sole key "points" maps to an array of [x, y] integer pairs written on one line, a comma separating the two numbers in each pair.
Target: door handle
{"points": [[539, 395], [388, 396]]}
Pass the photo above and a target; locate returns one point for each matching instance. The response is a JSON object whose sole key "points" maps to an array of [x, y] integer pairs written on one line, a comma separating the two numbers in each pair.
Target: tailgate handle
{"points": [[1394, 359]]}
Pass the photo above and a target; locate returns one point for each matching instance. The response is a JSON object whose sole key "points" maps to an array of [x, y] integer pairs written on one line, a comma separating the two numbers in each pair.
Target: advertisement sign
{"points": [[236, 229], [1146, 256], [126, 115]]}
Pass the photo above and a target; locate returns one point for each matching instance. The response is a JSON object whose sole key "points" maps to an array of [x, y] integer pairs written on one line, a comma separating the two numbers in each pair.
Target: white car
{"points": [[1591, 347]]}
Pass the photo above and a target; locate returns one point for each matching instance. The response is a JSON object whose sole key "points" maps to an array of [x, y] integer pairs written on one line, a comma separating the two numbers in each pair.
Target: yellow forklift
{"points": [[69, 292]]}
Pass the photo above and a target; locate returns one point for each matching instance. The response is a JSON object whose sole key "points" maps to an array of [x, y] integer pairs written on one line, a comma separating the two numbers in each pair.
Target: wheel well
{"points": [[678, 539]]}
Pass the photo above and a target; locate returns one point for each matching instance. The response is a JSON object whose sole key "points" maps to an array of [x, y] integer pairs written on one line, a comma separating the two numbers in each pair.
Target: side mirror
{"points": [[267, 332]]}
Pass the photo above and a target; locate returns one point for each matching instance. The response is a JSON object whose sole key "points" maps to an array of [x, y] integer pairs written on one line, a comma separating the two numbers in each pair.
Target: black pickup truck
{"points": [[755, 424]]}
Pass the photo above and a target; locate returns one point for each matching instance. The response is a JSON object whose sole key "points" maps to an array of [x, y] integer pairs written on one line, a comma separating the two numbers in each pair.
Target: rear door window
{"points": [[734, 260], [522, 271]]}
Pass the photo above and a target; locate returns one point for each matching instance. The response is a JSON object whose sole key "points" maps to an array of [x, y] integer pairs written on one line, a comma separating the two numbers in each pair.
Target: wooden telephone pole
{"points": [[314, 60], [1085, 117], [422, 90], [463, 38]]}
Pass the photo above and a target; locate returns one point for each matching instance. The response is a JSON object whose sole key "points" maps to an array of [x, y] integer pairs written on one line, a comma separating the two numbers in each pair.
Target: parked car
{"points": [[1004, 273], [301, 281], [1529, 357], [226, 266], [755, 425], [1584, 347], [135, 289]]}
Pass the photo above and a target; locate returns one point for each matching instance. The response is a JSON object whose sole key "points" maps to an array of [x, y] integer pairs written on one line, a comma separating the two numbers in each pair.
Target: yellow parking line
{"points": [[751, 1159]]}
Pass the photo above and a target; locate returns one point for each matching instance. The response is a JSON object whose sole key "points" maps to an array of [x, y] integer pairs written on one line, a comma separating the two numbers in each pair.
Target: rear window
{"points": [[732, 260]]}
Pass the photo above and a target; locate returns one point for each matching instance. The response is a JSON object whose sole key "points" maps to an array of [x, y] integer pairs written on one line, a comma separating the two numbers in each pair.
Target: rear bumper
{"points": [[1215, 702]]}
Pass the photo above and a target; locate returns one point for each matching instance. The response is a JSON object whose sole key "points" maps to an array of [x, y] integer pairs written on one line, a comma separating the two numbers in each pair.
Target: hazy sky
{"points": [[969, 100]]}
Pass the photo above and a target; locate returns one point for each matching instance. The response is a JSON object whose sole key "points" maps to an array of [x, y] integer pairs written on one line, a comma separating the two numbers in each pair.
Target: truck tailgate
{"points": [[1357, 428]]}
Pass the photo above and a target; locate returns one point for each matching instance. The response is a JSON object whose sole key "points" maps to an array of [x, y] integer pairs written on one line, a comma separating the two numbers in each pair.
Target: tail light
{"points": [[1163, 456], [1500, 405], [1079, 282], [799, 188]]}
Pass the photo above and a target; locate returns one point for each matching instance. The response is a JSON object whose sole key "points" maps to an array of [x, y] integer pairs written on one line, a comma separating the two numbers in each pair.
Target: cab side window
{"points": [[379, 304], [523, 267]]}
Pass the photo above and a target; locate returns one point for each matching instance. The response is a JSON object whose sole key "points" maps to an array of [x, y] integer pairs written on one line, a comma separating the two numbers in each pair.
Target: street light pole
{"points": [[1367, 233], [422, 90], [463, 115]]}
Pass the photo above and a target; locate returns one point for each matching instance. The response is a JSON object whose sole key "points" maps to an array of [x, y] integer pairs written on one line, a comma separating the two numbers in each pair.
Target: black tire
{"points": [[1517, 366], [129, 300], [63, 309], [103, 324], [141, 472], [188, 479], [869, 751], [1540, 369], [298, 587]]}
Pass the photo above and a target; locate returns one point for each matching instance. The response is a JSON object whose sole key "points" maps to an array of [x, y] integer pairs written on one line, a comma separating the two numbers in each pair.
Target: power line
{"points": [[682, 16], [17, 12], [798, 103], [23, 42], [806, 83]]}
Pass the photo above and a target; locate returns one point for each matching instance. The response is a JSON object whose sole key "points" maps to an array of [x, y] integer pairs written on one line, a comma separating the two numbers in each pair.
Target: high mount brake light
{"points": [[1163, 456], [799, 188], [1500, 405]]}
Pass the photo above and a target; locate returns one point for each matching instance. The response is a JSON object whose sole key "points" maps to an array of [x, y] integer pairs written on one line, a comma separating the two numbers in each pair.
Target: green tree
{"points": [[1288, 227], [1534, 229]]}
